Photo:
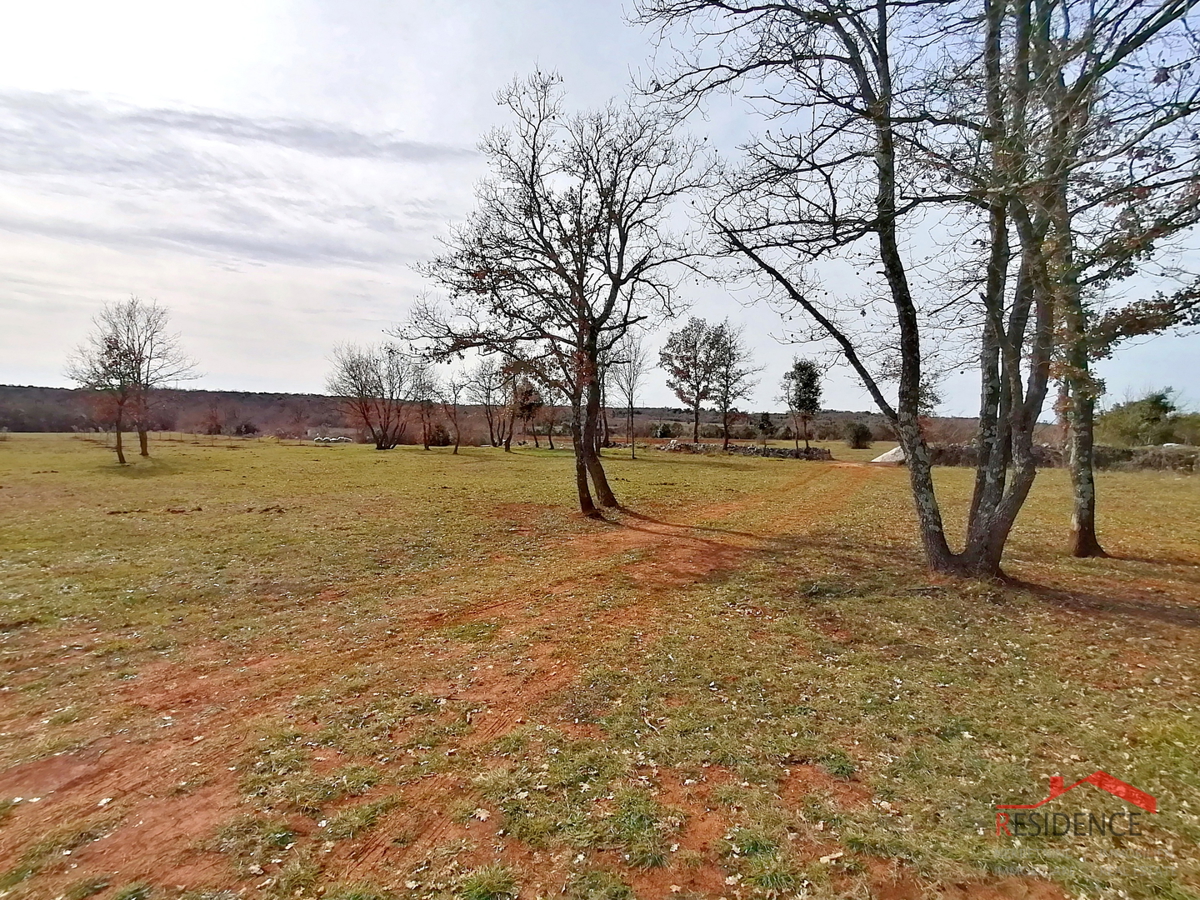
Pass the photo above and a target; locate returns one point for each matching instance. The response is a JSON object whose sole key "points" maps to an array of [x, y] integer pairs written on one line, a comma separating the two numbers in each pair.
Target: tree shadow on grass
{"points": [[142, 468], [1190, 566], [1088, 602], [682, 527], [871, 567]]}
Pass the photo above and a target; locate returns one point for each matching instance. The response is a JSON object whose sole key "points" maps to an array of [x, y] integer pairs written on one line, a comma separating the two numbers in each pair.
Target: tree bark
{"points": [[507, 425], [143, 441], [591, 422], [487, 414], [725, 428], [696, 424], [586, 505], [632, 448], [606, 438], [120, 445], [1081, 462]]}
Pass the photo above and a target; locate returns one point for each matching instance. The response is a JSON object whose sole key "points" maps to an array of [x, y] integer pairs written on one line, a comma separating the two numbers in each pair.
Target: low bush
{"points": [[858, 435]]}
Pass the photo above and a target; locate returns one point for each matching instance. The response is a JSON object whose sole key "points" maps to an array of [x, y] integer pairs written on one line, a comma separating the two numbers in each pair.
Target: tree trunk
{"points": [[632, 448], [606, 438], [696, 424], [1081, 419], [980, 561], [586, 505], [143, 441], [591, 422], [725, 428], [805, 421], [550, 434], [1081, 462], [120, 445]]}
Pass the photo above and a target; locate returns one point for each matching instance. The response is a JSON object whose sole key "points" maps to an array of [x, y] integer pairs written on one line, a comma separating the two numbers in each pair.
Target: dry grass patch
{"points": [[419, 675]]}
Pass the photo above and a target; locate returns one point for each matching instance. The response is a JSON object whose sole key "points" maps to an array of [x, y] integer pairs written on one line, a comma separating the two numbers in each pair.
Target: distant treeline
{"points": [[194, 411], [44, 409]]}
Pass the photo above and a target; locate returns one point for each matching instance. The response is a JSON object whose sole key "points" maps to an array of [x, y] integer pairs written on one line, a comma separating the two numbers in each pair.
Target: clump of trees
{"points": [[1056, 136], [1153, 418], [733, 373], [706, 362], [375, 385], [689, 358], [127, 356], [568, 248], [802, 394]]}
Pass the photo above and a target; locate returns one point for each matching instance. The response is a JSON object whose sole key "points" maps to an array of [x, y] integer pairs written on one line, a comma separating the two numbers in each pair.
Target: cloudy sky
{"points": [[271, 170]]}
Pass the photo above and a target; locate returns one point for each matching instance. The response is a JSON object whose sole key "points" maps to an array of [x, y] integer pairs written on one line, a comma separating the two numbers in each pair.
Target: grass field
{"points": [[250, 669]]}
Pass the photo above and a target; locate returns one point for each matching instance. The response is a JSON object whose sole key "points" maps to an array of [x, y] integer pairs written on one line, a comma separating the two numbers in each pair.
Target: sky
{"points": [[272, 171]]}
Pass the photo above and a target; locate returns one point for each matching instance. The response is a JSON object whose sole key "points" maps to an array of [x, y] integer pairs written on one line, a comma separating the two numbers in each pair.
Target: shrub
{"points": [[858, 435]]}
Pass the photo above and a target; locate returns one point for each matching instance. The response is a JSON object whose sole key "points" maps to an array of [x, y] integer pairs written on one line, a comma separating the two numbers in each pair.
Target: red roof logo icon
{"points": [[1102, 780]]}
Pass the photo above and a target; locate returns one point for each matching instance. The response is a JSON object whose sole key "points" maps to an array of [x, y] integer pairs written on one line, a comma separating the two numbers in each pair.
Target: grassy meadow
{"points": [[255, 669]]}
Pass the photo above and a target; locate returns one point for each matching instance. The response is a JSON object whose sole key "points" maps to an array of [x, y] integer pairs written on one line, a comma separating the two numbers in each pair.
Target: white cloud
{"points": [[270, 170]]}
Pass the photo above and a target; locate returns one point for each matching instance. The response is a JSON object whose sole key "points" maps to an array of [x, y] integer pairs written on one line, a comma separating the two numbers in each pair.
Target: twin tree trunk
{"points": [[585, 431]]}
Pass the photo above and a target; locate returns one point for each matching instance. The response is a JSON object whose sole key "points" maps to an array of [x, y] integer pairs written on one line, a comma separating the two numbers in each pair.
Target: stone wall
{"points": [[813, 453]]}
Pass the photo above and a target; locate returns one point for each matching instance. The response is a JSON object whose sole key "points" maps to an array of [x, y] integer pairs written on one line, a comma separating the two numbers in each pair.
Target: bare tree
{"points": [[1114, 110], [690, 359], [128, 355], [733, 377], [373, 383], [567, 248], [550, 412], [424, 391], [630, 363], [452, 391], [875, 132], [484, 384]]}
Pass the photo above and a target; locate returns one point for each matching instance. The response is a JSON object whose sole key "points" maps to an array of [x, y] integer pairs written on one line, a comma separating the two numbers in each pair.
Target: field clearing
{"points": [[250, 669]]}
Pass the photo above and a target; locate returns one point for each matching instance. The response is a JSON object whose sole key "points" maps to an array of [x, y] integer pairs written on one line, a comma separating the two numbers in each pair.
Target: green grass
{"points": [[251, 841], [488, 883], [88, 887], [598, 884], [353, 821], [432, 663]]}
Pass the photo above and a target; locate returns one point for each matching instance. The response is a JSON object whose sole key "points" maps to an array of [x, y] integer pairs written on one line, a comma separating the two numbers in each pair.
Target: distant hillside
{"points": [[42, 409], [202, 412]]}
